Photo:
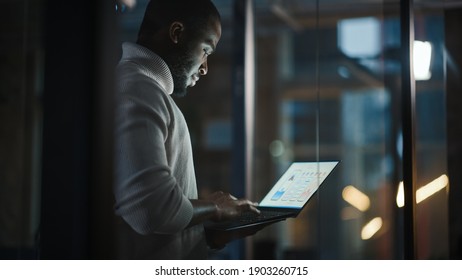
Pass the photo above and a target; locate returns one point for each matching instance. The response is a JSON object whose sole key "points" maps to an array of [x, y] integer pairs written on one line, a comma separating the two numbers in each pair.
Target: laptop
{"points": [[287, 197]]}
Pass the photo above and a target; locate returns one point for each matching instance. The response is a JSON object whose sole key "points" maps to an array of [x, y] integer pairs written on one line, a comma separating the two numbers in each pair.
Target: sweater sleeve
{"points": [[148, 196]]}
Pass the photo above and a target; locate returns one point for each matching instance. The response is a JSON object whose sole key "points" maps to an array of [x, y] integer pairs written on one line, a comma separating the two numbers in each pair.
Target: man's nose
{"points": [[203, 69]]}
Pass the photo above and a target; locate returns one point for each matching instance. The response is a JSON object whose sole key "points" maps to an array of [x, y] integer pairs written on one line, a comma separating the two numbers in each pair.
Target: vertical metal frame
{"points": [[243, 109], [408, 122], [249, 95], [453, 45]]}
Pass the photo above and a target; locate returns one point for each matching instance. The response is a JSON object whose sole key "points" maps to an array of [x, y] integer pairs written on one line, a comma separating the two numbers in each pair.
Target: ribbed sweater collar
{"points": [[155, 66]]}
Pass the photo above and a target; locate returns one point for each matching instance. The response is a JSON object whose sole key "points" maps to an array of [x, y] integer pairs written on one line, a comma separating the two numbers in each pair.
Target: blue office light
{"points": [[359, 37]]}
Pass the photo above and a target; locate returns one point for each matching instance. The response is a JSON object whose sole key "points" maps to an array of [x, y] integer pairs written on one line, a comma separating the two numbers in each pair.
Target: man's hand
{"points": [[229, 207], [220, 206]]}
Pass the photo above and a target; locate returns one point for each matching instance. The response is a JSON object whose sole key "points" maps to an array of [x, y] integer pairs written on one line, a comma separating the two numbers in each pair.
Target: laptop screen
{"points": [[298, 184]]}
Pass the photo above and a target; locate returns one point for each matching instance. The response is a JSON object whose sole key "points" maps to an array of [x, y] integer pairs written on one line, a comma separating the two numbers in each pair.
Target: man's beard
{"points": [[180, 66]]}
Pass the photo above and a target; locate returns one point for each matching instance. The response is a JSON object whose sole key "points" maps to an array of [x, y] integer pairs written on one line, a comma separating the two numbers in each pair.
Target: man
{"points": [[155, 189]]}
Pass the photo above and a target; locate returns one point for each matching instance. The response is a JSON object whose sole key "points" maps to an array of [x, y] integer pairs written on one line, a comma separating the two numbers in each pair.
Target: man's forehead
{"points": [[214, 31]]}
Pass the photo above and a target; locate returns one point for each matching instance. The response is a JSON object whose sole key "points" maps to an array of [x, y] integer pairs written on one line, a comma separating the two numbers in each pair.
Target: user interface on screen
{"points": [[298, 184]]}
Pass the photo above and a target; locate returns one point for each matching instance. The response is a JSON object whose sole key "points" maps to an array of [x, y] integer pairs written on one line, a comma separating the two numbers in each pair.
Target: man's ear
{"points": [[176, 29]]}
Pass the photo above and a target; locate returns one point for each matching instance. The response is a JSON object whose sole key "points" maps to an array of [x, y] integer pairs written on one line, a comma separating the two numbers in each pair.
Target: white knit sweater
{"points": [[155, 175]]}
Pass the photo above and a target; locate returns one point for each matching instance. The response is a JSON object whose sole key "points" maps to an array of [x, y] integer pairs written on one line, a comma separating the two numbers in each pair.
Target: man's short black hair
{"points": [[194, 14]]}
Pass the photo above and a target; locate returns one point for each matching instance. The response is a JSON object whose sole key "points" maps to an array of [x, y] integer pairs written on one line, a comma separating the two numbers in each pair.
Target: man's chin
{"points": [[179, 93], [180, 85]]}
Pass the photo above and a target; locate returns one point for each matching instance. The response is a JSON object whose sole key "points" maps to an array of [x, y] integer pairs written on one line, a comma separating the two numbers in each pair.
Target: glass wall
{"points": [[431, 153], [329, 88], [332, 102]]}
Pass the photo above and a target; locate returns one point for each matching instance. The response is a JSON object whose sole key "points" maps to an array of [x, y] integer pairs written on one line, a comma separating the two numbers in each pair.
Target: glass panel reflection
{"points": [[329, 88]]}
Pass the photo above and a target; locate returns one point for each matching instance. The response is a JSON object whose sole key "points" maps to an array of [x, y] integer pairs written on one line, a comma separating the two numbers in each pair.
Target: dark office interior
{"points": [[291, 80]]}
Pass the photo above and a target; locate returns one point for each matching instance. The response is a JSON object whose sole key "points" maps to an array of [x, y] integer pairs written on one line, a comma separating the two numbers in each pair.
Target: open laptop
{"points": [[286, 198]]}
